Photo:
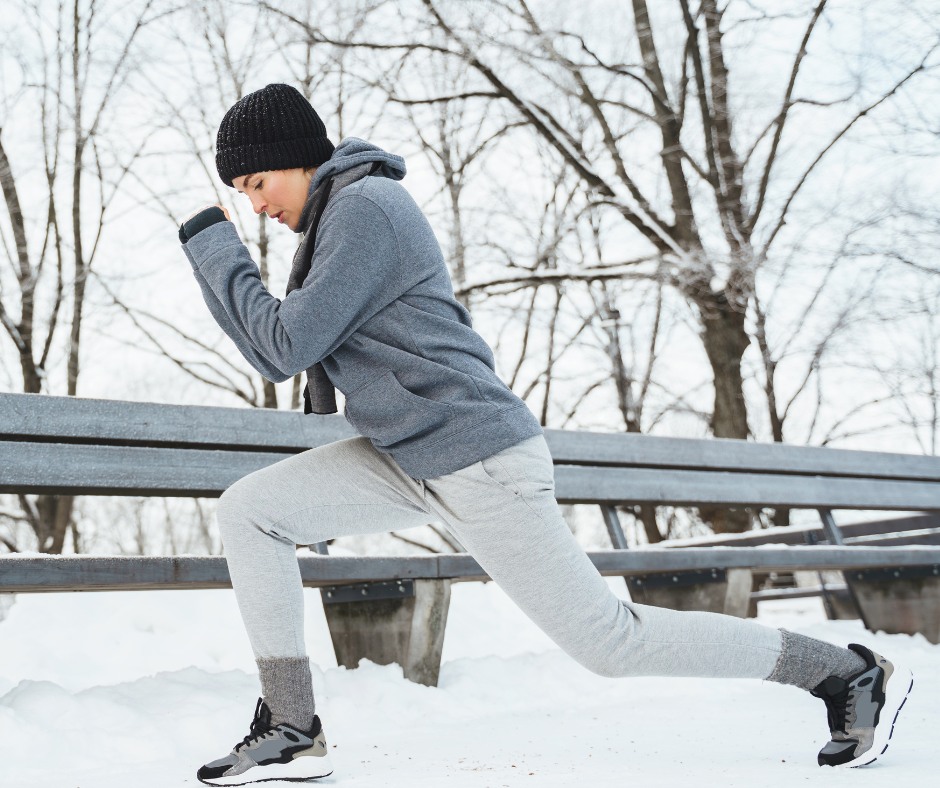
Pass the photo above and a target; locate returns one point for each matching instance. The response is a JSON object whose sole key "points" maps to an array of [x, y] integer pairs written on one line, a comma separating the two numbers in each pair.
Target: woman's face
{"points": [[280, 194]]}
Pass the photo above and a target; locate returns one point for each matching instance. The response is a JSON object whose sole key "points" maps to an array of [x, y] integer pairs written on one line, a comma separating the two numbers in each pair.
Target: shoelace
{"points": [[260, 726], [837, 706]]}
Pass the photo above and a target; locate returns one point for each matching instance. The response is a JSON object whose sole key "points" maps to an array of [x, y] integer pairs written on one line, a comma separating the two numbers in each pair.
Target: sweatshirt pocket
{"points": [[388, 414]]}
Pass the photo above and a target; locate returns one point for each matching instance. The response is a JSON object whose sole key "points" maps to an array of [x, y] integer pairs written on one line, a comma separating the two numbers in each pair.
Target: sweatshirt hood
{"points": [[352, 152]]}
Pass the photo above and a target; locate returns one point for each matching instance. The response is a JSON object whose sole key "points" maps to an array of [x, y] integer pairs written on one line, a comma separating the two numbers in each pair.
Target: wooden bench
{"points": [[395, 608]]}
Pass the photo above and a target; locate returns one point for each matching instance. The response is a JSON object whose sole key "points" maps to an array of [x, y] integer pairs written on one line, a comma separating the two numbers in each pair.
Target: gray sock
{"points": [[287, 688], [804, 662]]}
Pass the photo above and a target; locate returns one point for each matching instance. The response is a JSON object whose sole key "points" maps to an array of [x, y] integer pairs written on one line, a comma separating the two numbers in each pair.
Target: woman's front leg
{"points": [[341, 489]]}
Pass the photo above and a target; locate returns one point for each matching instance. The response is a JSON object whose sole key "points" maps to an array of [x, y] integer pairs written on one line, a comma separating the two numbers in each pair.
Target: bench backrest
{"points": [[83, 446]]}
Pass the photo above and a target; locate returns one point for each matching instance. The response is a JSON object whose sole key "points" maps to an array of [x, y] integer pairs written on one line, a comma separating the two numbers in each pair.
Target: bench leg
{"points": [[401, 622], [713, 591], [738, 593], [899, 600]]}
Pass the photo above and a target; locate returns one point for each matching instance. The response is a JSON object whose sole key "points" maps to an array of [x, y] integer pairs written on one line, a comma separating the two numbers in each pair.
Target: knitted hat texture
{"points": [[274, 128]]}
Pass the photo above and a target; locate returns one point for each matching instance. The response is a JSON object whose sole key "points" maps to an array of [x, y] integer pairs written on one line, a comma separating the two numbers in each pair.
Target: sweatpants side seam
{"points": [[308, 509]]}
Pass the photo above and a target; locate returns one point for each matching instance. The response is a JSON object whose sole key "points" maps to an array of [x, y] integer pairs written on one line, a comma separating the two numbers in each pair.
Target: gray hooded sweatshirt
{"points": [[378, 311]]}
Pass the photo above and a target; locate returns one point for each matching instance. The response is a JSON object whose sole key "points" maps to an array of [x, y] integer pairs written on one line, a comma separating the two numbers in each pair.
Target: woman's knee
{"points": [[237, 504], [612, 649], [609, 666]]}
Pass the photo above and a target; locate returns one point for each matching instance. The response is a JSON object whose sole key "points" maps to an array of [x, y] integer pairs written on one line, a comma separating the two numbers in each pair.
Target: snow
{"points": [[108, 690]]}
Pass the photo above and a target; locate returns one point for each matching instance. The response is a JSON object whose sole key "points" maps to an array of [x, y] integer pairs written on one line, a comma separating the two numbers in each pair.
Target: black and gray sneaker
{"points": [[271, 752], [862, 709]]}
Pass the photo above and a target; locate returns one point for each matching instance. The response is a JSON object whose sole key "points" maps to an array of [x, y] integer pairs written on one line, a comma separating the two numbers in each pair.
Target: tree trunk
{"points": [[78, 286], [296, 388], [22, 333], [725, 340], [55, 520], [458, 245]]}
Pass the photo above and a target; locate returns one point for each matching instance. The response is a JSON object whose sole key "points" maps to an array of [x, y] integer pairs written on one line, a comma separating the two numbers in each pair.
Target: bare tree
{"points": [[914, 380], [67, 98], [454, 136], [222, 68], [217, 73], [721, 200]]}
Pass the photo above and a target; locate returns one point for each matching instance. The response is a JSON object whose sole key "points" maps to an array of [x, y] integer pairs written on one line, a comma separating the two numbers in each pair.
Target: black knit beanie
{"points": [[274, 128]]}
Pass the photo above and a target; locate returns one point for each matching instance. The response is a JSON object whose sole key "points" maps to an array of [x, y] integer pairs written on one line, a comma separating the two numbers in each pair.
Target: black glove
{"points": [[205, 218]]}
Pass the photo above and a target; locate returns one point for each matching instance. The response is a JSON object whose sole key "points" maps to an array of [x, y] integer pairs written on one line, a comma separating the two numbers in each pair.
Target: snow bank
{"points": [[108, 690]]}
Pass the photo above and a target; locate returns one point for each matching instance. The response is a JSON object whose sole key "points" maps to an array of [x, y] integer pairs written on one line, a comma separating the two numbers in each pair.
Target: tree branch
{"points": [[781, 220], [229, 386], [619, 271], [445, 99], [782, 116]]}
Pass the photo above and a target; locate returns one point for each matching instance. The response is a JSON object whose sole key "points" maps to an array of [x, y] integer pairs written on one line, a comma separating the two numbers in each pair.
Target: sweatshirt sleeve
{"points": [[357, 271], [241, 341]]}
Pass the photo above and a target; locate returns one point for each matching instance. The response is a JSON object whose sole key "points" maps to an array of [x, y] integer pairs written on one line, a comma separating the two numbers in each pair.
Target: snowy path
{"points": [[111, 690]]}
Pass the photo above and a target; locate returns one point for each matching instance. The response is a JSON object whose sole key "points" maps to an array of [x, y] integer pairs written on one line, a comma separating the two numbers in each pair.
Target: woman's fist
{"points": [[200, 219]]}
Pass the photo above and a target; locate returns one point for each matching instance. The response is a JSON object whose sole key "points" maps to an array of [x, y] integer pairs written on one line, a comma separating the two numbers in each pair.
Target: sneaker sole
{"points": [[896, 695], [298, 770]]}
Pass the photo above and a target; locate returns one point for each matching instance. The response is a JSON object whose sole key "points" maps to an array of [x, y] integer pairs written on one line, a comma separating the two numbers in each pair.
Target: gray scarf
{"points": [[319, 394]]}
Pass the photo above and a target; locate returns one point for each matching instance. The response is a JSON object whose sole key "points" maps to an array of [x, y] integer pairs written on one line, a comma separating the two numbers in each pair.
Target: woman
{"points": [[370, 310]]}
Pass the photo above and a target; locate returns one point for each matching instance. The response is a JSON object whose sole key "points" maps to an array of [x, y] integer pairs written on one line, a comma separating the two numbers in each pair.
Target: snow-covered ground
{"points": [[113, 690]]}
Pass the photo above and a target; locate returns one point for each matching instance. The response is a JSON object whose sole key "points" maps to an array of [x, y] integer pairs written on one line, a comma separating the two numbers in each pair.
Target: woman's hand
{"points": [[200, 219]]}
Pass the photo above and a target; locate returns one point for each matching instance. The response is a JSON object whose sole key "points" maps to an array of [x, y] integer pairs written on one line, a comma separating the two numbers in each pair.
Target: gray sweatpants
{"points": [[503, 510]]}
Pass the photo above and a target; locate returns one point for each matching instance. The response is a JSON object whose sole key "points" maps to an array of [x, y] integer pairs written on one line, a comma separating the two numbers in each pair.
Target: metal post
{"points": [[835, 538], [614, 529], [833, 534], [811, 539]]}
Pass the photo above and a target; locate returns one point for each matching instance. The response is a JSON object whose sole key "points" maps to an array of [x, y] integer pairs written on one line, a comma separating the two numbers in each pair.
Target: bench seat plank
{"points": [[22, 573]]}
